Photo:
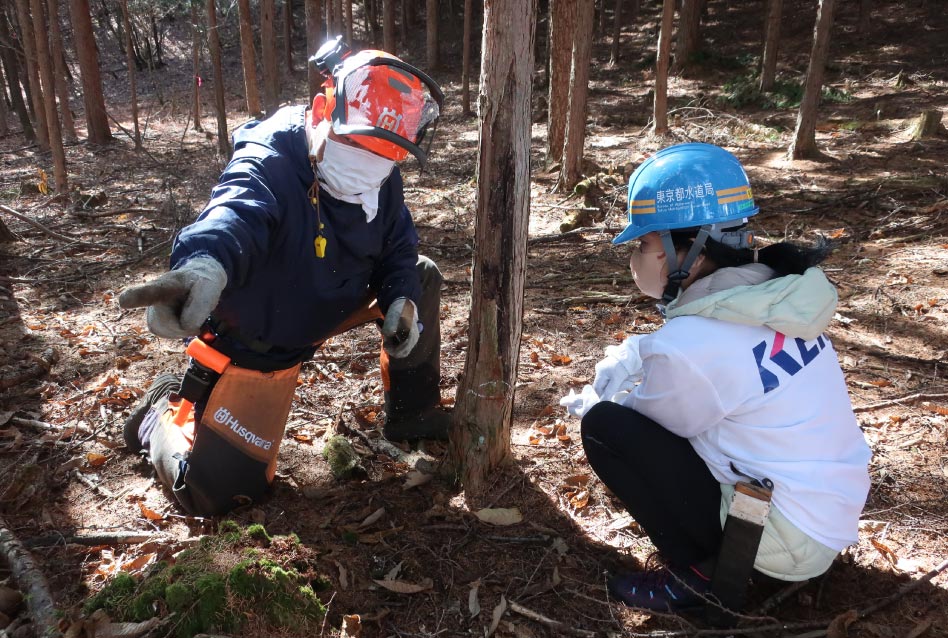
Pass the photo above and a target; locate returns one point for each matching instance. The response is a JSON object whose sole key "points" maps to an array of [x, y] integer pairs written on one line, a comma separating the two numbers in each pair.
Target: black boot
{"points": [[433, 424], [161, 388], [412, 403]]}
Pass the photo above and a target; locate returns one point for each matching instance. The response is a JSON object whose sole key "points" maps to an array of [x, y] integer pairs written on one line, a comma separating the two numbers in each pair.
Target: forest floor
{"points": [[73, 363]]}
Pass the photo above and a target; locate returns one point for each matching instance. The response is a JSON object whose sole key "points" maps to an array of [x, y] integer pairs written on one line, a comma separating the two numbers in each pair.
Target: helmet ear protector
{"points": [[377, 100]]}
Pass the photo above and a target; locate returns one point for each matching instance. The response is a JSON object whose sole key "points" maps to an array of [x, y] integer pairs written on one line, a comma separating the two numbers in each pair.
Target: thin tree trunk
{"points": [[572, 169], [480, 439], [45, 65], [431, 28], [466, 61], [660, 109], [61, 76], [35, 90], [271, 72], [87, 54], [804, 141], [336, 17], [562, 27], [616, 33], [11, 67], [130, 62], [214, 45], [349, 25], [313, 41], [388, 26], [689, 32], [288, 36], [768, 61], [196, 44], [4, 111], [248, 58]]}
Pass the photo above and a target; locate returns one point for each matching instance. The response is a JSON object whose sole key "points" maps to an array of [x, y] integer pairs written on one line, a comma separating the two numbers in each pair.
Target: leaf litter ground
{"points": [[409, 555]]}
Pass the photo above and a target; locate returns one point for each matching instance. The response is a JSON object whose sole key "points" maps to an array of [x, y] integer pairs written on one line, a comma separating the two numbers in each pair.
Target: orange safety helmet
{"points": [[378, 101]]}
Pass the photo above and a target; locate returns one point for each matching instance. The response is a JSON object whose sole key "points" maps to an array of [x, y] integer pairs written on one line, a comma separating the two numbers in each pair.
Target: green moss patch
{"points": [[227, 584]]}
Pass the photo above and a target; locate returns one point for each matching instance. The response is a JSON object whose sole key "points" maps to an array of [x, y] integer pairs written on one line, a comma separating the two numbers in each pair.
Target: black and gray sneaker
{"points": [[161, 387], [433, 424]]}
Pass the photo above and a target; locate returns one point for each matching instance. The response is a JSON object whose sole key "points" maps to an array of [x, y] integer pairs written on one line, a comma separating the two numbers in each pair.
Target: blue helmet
{"points": [[687, 186]]}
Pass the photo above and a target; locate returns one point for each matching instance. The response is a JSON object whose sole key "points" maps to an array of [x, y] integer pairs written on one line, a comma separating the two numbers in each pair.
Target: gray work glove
{"points": [[400, 329], [179, 301]]}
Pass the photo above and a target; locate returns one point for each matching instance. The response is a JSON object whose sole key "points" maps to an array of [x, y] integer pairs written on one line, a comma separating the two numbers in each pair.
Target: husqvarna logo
{"points": [[224, 417], [389, 120]]}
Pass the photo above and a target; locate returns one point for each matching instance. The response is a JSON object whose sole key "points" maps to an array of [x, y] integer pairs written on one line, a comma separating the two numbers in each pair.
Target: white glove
{"points": [[400, 329], [620, 370], [179, 301], [579, 404]]}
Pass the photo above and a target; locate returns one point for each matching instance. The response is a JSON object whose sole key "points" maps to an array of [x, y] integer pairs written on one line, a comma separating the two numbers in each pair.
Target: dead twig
{"points": [[44, 229], [906, 399], [93, 485], [100, 538], [31, 581], [556, 625]]}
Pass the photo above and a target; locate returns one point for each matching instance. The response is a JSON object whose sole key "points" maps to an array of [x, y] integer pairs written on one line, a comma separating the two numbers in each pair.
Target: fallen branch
{"points": [[900, 400], [93, 485], [44, 229], [100, 538], [31, 582], [556, 625], [599, 297], [545, 239]]}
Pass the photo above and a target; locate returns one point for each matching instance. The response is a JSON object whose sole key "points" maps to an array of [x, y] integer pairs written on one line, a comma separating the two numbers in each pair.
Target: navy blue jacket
{"points": [[260, 225]]}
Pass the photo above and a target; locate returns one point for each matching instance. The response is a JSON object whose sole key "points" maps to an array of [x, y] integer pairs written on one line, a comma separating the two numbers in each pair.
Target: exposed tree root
{"points": [[31, 582]]}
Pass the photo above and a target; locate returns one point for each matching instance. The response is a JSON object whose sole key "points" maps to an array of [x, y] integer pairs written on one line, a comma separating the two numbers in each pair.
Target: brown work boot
{"points": [[433, 424], [160, 388]]}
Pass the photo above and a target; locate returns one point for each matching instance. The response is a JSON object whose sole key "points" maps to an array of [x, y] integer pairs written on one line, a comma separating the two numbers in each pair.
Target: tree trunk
{"points": [[562, 27], [431, 25], [572, 169], [10, 66], [660, 110], [271, 72], [689, 32], [45, 65], [87, 54], [804, 141], [616, 33], [248, 58], [35, 90], [313, 40], [336, 17], [927, 125], [61, 75], [466, 61], [768, 61], [214, 45], [349, 25], [388, 26], [370, 16], [288, 36], [130, 62], [480, 439], [196, 43], [4, 111]]}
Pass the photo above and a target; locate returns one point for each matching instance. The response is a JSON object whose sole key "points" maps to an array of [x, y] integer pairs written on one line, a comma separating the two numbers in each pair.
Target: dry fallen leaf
{"points": [[577, 480], [839, 628], [496, 615], [95, 459], [372, 518], [351, 626], [473, 605], [886, 552], [416, 478], [405, 587], [580, 500], [150, 514], [560, 359], [500, 515]]}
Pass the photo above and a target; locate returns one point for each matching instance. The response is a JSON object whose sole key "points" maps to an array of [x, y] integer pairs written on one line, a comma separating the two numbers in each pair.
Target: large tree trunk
{"points": [[466, 61], [11, 67], [768, 61], [480, 439], [804, 140], [660, 109], [87, 54], [288, 36], [248, 58], [313, 41], [388, 26], [572, 169], [214, 45], [562, 27], [689, 32], [196, 43], [45, 65], [61, 75], [132, 80], [271, 72], [431, 26], [32, 72]]}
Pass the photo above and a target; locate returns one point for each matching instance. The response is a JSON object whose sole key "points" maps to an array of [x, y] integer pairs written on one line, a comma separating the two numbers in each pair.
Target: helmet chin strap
{"points": [[677, 273]]}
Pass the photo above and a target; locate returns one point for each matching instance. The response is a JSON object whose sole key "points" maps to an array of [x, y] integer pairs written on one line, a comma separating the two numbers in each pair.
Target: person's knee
{"points": [[599, 419], [428, 272]]}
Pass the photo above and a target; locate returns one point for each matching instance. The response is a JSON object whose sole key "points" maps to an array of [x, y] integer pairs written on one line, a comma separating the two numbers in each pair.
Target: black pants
{"points": [[661, 480]]}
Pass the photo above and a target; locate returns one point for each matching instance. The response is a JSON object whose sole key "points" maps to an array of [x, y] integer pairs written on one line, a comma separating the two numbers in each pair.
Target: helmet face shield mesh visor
{"points": [[387, 106]]}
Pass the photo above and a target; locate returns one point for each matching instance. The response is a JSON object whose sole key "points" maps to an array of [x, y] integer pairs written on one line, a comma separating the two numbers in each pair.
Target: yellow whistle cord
{"points": [[319, 244]]}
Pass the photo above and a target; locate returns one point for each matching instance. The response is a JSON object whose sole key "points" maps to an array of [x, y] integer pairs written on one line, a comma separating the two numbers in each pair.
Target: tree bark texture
{"points": [[61, 72], [466, 61], [431, 27], [313, 40], [196, 44], [349, 25], [130, 63], [288, 36], [12, 71], [45, 64], [336, 18], [388, 26], [616, 33], [248, 58], [865, 17], [768, 61], [689, 32], [804, 140], [562, 27], [480, 440], [214, 45], [271, 72], [31, 582], [660, 108], [4, 111], [572, 169], [32, 73], [87, 55]]}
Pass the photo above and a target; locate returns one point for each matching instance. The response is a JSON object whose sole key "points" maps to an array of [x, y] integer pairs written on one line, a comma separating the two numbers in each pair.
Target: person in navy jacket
{"points": [[305, 236]]}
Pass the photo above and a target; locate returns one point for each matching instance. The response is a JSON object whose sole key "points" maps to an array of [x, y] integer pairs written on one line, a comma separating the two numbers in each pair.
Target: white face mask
{"points": [[649, 271]]}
